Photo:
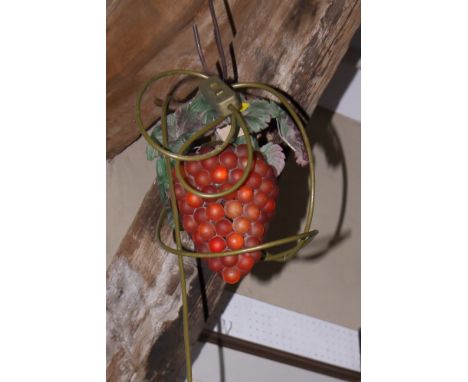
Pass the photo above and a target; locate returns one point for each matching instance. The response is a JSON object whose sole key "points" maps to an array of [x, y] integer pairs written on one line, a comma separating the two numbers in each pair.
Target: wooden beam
{"points": [[294, 45]]}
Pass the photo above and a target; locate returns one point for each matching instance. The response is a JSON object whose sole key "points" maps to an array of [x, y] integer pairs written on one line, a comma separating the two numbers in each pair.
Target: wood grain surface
{"points": [[293, 45]]}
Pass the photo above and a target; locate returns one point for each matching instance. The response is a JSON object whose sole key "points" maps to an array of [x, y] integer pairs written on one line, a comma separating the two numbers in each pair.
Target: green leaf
{"points": [[175, 147], [258, 114], [275, 110], [150, 152], [162, 179], [202, 110], [274, 155], [290, 135], [199, 104], [156, 134], [186, 121], [209, 116]]}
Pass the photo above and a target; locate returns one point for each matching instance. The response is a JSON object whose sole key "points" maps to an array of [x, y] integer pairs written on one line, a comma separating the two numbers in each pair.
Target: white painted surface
{"points": [[255, 321], [215, 364]]}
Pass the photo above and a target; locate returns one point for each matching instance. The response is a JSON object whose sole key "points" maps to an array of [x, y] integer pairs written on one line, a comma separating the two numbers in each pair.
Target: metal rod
{"points": [[188, 362], [201, 56], [219, 42]]}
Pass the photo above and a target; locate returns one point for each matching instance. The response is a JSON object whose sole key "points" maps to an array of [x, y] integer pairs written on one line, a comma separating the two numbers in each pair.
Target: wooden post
{"points": [[293, 45]]}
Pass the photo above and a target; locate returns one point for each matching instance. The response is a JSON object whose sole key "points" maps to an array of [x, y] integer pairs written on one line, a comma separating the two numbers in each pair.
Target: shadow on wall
{"points": [[344, 75], [293, 181], [294, 194]]}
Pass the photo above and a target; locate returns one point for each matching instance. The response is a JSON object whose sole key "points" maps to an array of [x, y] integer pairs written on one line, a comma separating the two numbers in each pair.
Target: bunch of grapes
{"points": [[237, 220]]}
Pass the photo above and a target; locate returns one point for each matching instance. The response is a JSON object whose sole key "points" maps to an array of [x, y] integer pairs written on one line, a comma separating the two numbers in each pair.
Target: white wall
{"points": [[216, 364]]}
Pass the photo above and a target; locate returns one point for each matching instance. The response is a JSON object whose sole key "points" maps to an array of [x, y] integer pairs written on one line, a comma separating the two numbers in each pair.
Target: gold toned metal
{"points": [[219, 95]]}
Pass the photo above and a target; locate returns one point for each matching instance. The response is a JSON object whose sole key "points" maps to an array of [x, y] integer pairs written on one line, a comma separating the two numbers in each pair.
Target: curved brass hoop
{"points": [[162, 149], [284, 255], [301, 239]]}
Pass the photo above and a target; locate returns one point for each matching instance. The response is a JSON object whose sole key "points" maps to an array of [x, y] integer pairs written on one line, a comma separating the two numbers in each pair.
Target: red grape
{"points": [[179, 191], [260, 199], [227, 186], [231, 275], [200, 215], [235, 175], [243, 162], [235, 241], [228, 159], [241, 225], [214, 211], [270, 206], [246, 262], [241, 150], [244, 194], [270, 172], [204, 248], [274, 193], [229, 261], [210, 163], [219, 174], [254, 180], [223, 227], [257, 229], [198, 239], [267, 186], [261, 167], [209, 189], [192, 167], [189, 223], [202, 178], [206, 230], [256, 256], [233, 208], [182, 173], [217, 244], [252, 212], [193, 200], [215, 264], [184, 207], [252, 241]]}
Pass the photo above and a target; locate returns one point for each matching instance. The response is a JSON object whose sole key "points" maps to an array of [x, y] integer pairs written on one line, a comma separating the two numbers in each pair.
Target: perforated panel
{"points": [[265, 324]]}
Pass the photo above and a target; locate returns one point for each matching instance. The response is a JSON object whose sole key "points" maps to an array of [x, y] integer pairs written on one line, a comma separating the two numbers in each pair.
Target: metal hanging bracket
{"points": [[219, 95]]}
